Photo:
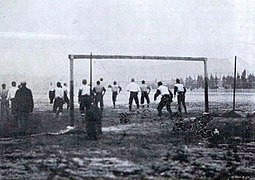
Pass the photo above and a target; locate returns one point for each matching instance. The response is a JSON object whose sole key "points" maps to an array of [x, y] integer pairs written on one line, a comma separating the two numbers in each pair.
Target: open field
{"points": [[143, 148], [41, 98]]}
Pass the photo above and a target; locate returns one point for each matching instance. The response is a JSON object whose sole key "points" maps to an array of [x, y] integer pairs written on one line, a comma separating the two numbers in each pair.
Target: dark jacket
{"points": [[24, 100]]}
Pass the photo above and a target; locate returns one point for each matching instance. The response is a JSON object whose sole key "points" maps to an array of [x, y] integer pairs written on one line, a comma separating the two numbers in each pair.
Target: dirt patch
{"points": [[144, 147]]}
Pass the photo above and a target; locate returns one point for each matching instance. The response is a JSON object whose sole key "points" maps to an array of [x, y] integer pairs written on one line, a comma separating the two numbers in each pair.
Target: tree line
{"points": [[243, 81]]}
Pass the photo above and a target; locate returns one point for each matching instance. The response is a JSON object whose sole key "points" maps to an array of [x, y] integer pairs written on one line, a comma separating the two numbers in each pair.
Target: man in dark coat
{"points": [[25, 105]]}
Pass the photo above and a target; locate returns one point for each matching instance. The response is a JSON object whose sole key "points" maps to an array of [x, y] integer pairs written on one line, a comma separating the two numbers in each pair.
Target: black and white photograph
{"points": [[127, 89]]}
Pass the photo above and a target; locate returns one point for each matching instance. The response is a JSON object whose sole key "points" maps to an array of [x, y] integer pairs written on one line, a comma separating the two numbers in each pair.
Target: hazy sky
{"points": [[37, 36]]}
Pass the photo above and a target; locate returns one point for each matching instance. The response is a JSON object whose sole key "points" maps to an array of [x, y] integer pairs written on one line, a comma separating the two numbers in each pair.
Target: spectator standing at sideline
{"points": [[115, 90], [166, 99], [51, 93], [11, 97], [66, 99], [133, 88], [85, 97], [24, 105], [99, 91], [181, 91], [59, 99], [145, 91], [4, 102]]}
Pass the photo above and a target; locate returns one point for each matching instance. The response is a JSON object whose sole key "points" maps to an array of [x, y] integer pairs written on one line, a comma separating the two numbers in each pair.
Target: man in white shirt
{"points": [[166, 98], [59, 99], [180, 90], [85, 97], [11, 96], [99, 91], [145, 93], [51, 92], [133, 88], [115, 90]]}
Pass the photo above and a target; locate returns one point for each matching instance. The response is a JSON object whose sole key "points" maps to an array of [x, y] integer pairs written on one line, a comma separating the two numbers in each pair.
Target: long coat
{"points": [[24, 100]]}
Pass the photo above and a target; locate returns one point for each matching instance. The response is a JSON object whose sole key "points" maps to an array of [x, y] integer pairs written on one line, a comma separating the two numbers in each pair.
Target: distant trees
{"points": [[243, 81]]}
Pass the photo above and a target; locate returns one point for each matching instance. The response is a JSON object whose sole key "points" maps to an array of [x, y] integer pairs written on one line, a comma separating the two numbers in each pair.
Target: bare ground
{"points": [[144, 147]]}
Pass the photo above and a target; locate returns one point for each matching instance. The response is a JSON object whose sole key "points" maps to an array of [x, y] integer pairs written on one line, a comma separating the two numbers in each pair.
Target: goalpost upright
{"points": [[72, 57]]}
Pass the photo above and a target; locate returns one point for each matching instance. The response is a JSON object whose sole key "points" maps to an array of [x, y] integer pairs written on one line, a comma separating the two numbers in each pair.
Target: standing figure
{"points": [[166, 99], [115, 90], [51, 93], [24, 105], [181, 91], [99, 94], [11, 96], [4, 102], [59, 99], [66, 99], [145, 94], [85, 97], [133, 88]]}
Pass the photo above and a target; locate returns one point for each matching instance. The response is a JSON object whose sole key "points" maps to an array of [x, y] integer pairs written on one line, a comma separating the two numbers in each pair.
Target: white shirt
{"points": [[59, 92], [65, 89], [85, 89], [11, 93], [180, 87], [51, 88], [115, 88], [144, 88], [163, 90], [98, 89], [133, 87], [4, 93]]}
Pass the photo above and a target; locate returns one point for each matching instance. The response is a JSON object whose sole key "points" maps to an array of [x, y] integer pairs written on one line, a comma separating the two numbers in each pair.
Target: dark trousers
{"points": [[181, 101], [85, 102], [99, 99], [94, 122], [165, 101], [145, 95], [58, 105], [13, 106], [4, 109], [133, 95], [51, 96], [66, 99], [114, 98], [23, 118]]}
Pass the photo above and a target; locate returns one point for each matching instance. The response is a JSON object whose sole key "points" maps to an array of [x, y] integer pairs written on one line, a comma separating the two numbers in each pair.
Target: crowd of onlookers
{"points": [[16, 104]]}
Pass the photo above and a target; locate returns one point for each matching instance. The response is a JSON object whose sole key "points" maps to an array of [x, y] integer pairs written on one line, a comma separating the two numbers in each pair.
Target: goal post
{"points": [[72, 57]]}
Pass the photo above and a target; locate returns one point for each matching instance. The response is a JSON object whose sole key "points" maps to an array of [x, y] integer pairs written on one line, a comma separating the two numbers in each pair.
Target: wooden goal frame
{"points": [[73, 57]]}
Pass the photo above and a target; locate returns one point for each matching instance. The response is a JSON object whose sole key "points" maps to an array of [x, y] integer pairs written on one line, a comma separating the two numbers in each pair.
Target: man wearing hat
{"points": [[24, 105]]}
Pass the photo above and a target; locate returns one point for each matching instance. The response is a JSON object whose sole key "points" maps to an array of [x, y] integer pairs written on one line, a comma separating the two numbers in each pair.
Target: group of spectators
{"points": [[18, 100]]}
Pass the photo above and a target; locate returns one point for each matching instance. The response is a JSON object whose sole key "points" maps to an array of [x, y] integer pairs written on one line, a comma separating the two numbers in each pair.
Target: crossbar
{"points": [[137, 57]]}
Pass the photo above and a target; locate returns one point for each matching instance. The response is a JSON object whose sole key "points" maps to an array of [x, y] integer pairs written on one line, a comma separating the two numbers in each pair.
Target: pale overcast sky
{"points": [[37, 35]]}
